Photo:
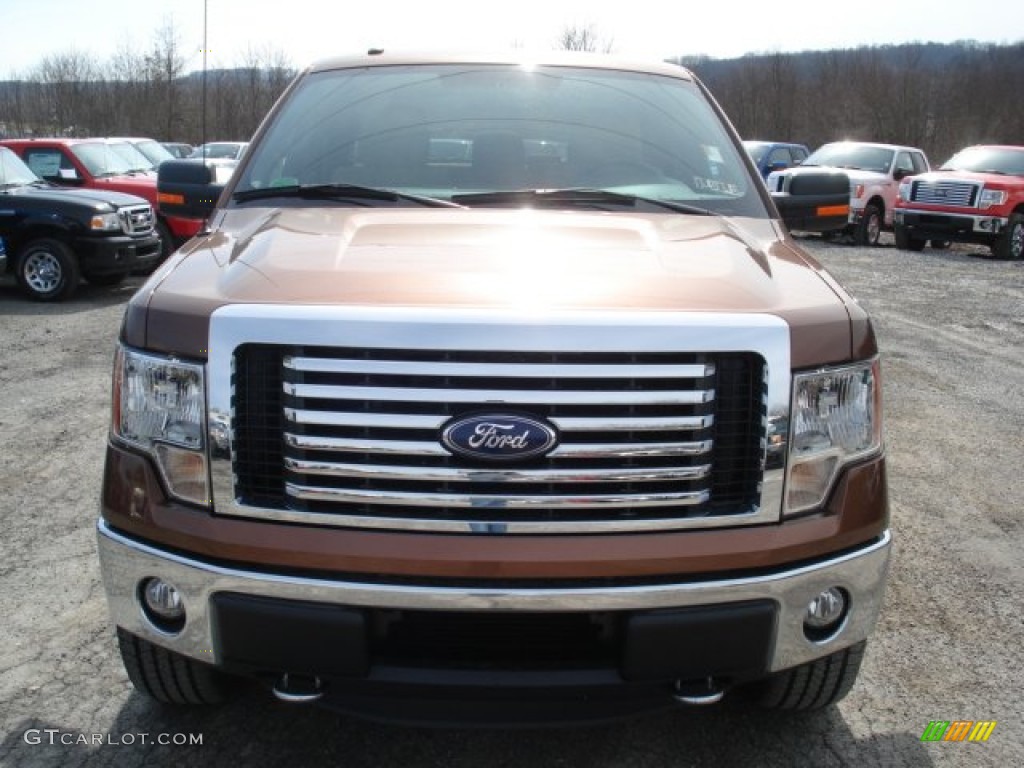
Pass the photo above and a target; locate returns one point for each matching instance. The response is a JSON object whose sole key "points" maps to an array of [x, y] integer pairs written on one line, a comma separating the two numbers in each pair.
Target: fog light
{"points": [[825, 612], [162, 604]]}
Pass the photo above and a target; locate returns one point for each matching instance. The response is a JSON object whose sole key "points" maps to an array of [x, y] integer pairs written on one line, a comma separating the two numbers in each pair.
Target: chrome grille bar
{"points": [[498, 396], [485, 502], [496, 474], [958, 193]]}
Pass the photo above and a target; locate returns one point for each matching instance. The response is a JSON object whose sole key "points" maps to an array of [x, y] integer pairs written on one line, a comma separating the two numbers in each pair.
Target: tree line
{"points": [[939, 97]]}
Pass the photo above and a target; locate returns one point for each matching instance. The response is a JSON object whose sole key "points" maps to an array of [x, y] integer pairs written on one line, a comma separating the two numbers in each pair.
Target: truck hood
{"points": [[533, 261], [993, 180], [91, 199], [143, 185], [856, 175]]}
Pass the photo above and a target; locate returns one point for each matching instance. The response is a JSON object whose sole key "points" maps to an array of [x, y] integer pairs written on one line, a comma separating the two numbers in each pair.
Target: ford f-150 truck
{"points": [[53, 236], [875, 172], [494, 389], [977, 196], [95, 164]]}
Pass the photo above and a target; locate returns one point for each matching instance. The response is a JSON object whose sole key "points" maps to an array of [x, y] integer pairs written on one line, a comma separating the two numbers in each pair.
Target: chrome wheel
{"points": [[42, 271]]}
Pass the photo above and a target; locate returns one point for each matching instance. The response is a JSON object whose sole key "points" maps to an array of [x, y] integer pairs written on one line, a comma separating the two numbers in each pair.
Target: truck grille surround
{"points": [[137, 219], [653, 436], [963, 194]]}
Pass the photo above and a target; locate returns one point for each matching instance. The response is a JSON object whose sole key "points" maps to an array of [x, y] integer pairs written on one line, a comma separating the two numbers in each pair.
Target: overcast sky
{"points": [[305, 30]]}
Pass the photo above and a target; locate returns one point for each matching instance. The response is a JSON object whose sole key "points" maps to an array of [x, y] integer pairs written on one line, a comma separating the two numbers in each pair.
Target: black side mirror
{"points": [[186, 188]]}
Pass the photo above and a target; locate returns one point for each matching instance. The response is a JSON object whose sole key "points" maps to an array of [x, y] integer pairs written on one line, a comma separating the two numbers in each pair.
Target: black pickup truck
{"points": [[51, 237]]}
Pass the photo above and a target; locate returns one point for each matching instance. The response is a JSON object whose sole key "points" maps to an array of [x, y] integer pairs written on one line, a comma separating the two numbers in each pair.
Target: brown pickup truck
{"points": [[495, 389]]}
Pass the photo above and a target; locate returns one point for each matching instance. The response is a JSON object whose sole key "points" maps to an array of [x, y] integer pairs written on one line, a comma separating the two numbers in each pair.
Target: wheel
{"points": [[1010, 244], [107, 279], [905, 242], [166, 676], [869, 228], [814, 685], [47, 269], [940, 245]]}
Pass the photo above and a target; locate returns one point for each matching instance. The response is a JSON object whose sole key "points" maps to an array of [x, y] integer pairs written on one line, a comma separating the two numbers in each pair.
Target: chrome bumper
{"points": [[125, 563]]}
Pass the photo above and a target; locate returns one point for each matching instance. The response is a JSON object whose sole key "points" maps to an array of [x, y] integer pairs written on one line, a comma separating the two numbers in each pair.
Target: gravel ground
{"points": [[949, 645]]}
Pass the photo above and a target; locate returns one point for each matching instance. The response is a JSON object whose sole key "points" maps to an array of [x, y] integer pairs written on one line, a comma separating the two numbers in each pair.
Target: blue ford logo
{"points": [[498, 437]]}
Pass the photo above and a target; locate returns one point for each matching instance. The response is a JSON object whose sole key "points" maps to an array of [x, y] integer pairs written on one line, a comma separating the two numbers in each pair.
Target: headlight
{"points": [[105, 222], [990, 197], [904, 191], [856, 190], [160, 408], [836, 418]]}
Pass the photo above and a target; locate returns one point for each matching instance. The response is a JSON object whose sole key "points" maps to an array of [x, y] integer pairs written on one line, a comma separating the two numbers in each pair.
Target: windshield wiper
{"points": [[340, 192], [575, 196]]}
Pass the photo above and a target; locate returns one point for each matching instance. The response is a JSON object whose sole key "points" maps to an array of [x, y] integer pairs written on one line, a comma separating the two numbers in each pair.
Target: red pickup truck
{"points": [[91, 164], [977, 196]]}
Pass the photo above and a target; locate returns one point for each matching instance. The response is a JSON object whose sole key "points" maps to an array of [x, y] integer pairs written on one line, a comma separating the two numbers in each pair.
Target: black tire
{"points": [[869, 228], [905, 242], [166, 240], [47, 269], [1010, 244], [815, 685], [166, 676], [106, 279]]}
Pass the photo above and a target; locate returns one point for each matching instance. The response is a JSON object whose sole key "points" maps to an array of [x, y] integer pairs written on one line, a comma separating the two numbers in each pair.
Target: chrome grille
{"points": [[963, 194], [338, 434], [137, 219]]}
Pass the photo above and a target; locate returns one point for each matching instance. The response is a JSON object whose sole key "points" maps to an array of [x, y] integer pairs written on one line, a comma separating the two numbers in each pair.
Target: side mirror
{"points": [[901, 173], [187, 189], [815, 202]]}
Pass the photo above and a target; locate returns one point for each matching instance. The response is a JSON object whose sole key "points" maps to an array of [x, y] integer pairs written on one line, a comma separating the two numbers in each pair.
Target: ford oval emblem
{"points": [[499, 437]]}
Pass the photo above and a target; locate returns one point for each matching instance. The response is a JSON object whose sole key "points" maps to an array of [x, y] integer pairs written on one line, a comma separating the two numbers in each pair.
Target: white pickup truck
{"points": [[875, 172]]}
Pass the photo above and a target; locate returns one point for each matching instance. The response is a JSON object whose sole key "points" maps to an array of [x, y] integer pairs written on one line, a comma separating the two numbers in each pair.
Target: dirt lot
{"points": [[950, 645]]}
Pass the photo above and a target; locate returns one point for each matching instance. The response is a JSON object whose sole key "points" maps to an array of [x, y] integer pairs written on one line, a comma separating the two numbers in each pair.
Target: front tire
{"points": [[815, 685], [1010, 244], [905, 242], [869, 229], [47, 270], [166, 676]]}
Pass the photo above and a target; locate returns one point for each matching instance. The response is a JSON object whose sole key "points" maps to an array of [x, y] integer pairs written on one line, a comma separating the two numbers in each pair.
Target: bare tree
{"points": [[584, 38]]}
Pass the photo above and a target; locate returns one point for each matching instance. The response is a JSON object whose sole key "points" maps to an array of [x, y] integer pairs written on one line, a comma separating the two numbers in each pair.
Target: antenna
{"points": [[203, 117]]}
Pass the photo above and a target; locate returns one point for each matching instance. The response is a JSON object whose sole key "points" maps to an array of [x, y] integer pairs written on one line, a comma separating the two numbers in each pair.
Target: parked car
{"points": [[771, 156], [476, 428], [977, 196], [53, 236], [95, 164], [178, 149], [227, 151], [875, 172]]}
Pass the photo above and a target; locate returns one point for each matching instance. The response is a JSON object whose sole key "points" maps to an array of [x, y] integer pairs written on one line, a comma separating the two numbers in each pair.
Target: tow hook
{"points": [[298, 689], [697, 693]]}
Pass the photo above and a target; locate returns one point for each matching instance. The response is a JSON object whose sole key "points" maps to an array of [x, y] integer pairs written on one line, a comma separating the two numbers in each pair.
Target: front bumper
{"points": [[115, 255], [321, 605], [959, 227]]}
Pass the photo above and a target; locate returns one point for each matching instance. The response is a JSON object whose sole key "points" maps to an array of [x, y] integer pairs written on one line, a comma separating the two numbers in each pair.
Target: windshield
{"points": [[13, 170], [756, 149], [131, 154], [864, 158], [1009, 160], [155, 152], [450, 130], [103, 159]]}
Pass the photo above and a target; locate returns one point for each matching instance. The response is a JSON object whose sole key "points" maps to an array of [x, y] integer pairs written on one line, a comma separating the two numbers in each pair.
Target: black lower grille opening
{"points": [[508, 641]]}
